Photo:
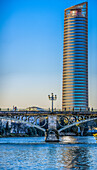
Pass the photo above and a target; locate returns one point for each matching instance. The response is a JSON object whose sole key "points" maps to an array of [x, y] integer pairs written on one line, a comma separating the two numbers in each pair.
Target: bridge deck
{"points": [[45, 113]]}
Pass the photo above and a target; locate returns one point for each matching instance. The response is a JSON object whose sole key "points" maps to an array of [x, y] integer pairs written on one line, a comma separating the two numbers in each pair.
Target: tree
{"points": [[30, 133], [7, 129]]}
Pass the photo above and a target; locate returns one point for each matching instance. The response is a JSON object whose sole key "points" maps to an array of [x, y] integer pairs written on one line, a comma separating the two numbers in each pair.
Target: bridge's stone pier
{"points": [[52, 134]]}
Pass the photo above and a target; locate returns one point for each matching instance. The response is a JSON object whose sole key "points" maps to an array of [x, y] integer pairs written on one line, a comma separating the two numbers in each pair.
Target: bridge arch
{"points": [[75, 123], [24, 122]]}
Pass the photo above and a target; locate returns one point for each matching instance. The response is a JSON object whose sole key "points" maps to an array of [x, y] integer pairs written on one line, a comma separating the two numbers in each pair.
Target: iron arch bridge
{"points": [[39, 119]]}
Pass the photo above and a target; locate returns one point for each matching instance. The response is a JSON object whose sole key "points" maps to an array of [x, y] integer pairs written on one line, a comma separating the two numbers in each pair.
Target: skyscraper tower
{"points": [[75, 58]]}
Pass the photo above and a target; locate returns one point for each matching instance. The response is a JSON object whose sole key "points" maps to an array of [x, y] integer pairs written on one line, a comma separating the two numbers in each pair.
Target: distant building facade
{"points": [[75, 58], [34, 108]]}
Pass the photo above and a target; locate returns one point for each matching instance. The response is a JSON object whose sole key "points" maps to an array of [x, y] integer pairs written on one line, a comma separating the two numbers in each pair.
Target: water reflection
{"points": [[78, 139], [68, 139], [75, 157]]}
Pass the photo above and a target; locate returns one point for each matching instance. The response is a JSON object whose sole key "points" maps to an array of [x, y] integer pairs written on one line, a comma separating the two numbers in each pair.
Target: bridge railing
{"points": [[21, 109], [55, 110]]}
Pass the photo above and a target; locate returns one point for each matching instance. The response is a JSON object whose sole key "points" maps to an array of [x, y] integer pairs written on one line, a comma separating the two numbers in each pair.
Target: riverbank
{"points": [[26, 135], [18, 135]]}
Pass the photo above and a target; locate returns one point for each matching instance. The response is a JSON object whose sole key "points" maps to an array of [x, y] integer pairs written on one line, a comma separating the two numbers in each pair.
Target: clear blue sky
{"points": [[31, 51]]}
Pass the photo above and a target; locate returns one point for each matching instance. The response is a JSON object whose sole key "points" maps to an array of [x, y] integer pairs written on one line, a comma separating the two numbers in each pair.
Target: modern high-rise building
{"points": [[75, 58]]}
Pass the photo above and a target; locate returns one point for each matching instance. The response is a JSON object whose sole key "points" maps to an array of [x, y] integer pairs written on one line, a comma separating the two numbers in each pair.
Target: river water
{"points": [[32, 153]]}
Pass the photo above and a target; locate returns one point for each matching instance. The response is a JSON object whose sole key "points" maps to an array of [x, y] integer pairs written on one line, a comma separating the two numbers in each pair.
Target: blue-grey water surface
{"points": [[32, 153]]}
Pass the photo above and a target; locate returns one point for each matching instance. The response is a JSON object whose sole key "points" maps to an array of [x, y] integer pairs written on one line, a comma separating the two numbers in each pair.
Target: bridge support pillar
{"points": [[52, 134]]}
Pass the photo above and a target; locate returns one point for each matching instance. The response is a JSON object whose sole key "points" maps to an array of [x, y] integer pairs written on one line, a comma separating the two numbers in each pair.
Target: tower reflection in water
{"points": [[74, 156]]}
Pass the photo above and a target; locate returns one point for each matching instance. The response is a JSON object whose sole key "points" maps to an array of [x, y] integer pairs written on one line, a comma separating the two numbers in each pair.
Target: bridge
{"points": [[51, 123]]}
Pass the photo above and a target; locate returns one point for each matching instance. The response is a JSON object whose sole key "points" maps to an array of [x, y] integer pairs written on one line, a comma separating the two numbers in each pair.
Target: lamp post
{"points": [[52, 97]]}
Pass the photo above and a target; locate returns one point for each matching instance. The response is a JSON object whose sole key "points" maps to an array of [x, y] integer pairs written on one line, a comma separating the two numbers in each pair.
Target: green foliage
{"points": [[12, 134], [2, 130], [40, 133], [30, 133], [74, 129]]}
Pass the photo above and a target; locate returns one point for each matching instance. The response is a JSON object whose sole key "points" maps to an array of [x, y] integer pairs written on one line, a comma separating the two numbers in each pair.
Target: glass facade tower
{"points": [[75, 58]]}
